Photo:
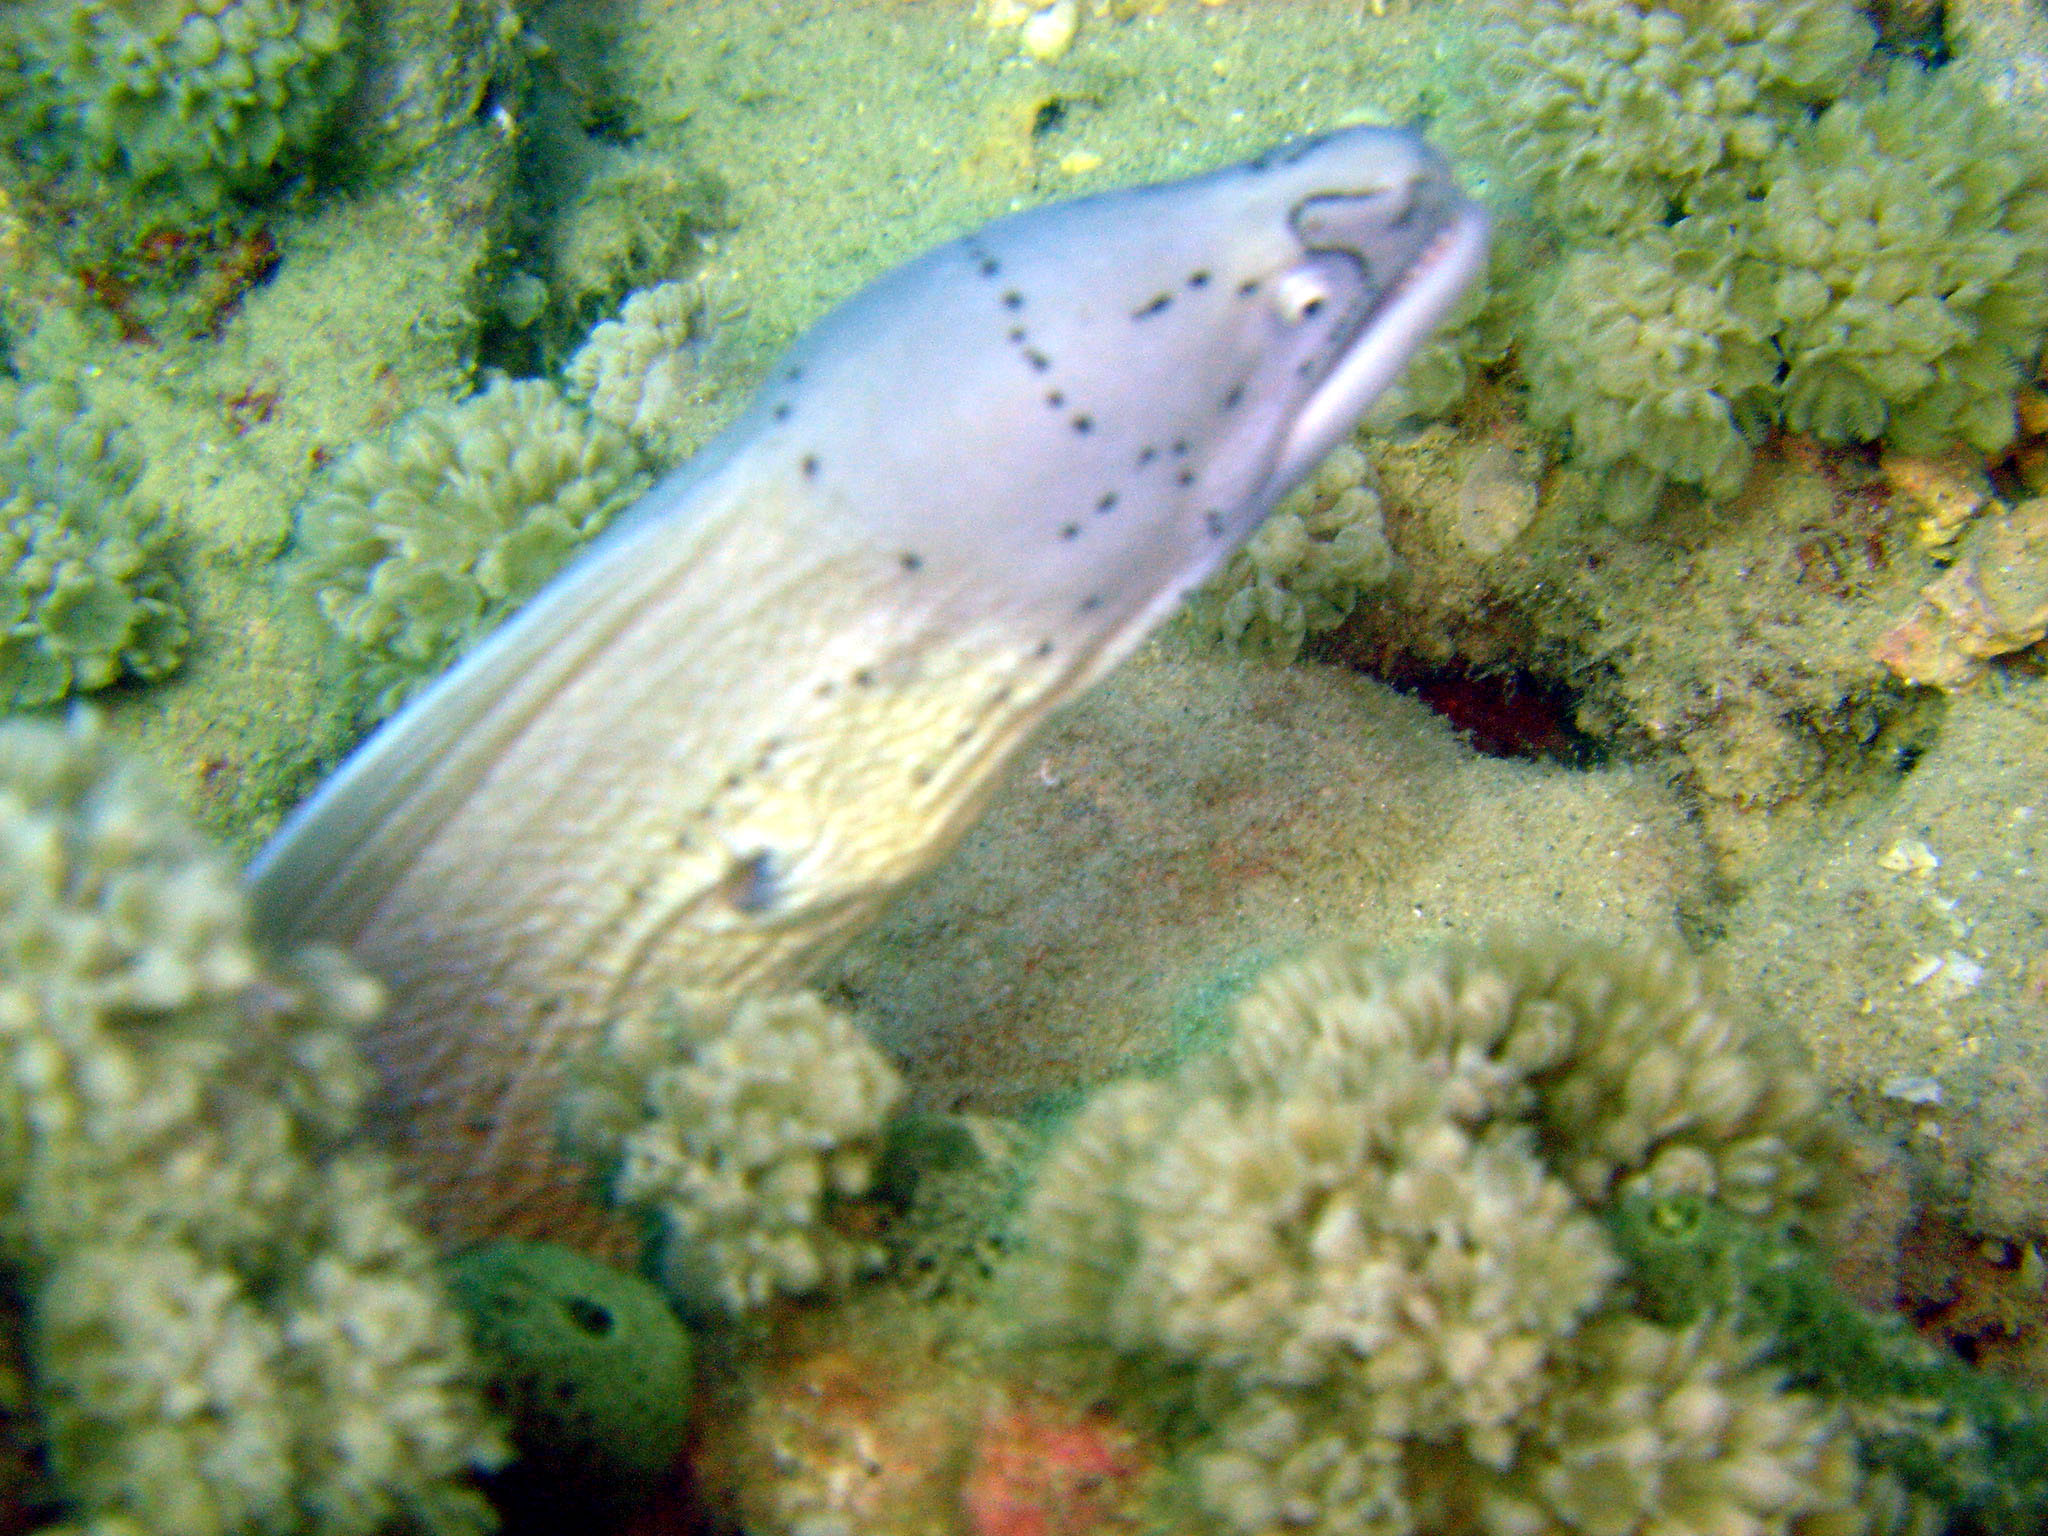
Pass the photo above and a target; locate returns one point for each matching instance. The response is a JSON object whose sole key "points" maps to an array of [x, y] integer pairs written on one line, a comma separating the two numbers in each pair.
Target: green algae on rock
{"points": [[87, 596], [1362, 1241], [415, 548], [234, 1325]]}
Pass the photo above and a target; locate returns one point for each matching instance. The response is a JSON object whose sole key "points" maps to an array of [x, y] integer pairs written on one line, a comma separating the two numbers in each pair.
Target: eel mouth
{"points": [[1389, 330]]}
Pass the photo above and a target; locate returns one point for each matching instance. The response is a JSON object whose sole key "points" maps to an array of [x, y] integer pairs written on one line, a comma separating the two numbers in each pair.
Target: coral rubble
{"points": [[1991, 602]]}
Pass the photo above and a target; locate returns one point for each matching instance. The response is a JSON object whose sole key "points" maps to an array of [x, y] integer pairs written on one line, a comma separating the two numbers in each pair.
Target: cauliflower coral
{"points": [[744, 1130], [87, 596], [1904, 237], [416, 548], [1616, 114], [234, 1326], [1749, 229], [1364, 1247], [188, 102]]}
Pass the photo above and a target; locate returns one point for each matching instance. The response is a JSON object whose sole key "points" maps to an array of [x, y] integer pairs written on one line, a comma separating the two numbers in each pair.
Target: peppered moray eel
{"points": [[784, 682]]}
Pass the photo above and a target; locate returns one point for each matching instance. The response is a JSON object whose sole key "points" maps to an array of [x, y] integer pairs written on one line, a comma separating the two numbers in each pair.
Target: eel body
{"points": [[783, 683]]}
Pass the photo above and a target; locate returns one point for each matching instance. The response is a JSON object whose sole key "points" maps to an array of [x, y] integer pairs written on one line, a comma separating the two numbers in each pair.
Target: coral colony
{"points": [[88, 593], [1752, 232], [415, 548]]}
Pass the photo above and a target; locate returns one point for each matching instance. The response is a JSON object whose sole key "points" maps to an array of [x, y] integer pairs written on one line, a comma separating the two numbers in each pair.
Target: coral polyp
{"points": [[414, 548]]}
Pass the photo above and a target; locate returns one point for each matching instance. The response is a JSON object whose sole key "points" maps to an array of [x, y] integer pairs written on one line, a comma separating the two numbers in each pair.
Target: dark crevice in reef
{"points": [[607, 197], [1505, 712]]}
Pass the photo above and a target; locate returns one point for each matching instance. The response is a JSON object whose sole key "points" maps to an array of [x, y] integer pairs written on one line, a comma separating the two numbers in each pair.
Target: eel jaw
{"points": [[1388, 336]]}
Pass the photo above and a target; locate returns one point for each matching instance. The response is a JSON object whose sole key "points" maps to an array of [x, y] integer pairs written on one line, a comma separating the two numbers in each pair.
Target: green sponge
{"points": [[588, 1360], [1961, 1440]]}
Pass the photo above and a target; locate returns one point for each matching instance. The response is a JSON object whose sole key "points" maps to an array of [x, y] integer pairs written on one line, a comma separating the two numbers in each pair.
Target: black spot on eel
{"points": [[783, 684]]}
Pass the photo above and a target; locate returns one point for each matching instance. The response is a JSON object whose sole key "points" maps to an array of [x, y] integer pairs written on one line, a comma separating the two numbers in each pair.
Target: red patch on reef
{"points": [[1981, 1299], [1506, 714], [1041, 1469], [245, 262]]}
